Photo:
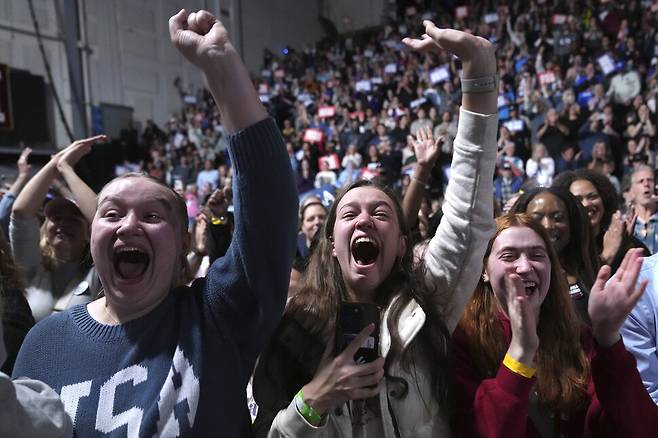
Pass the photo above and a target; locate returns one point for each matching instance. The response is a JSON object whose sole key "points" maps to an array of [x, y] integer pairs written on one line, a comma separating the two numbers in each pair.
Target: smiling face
{"points": [[67, 234], [314, 216], [587, 194], [519, 250], [137, 243], [550, 211], [366, 240]]}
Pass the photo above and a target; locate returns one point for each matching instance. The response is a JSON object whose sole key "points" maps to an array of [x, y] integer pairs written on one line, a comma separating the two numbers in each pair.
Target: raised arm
{"points": [[23, 172], [426, 149], [7, 201], [68, 158], [245, 290], [31, 197], [454, 256], [204, 41]]}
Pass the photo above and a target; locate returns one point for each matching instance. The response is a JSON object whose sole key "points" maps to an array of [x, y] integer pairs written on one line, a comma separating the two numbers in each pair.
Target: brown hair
{"points": [[563, 370], [322, 288], [11, 276]]}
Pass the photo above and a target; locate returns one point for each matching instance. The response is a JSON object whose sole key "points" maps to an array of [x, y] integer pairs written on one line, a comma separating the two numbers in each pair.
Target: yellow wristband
{"points": [[517, 367]]}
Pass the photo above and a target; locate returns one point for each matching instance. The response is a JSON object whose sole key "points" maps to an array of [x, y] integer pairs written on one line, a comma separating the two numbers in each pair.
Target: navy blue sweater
{"points": [[182, 369]]}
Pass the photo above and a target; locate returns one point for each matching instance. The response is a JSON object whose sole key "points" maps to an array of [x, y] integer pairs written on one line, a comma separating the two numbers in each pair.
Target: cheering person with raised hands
{"points": [[364, 258], [155, 357], [525, 365]]}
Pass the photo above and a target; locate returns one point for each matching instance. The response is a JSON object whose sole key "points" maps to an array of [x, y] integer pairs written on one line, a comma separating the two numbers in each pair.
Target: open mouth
{"points": [[364, 251], [130, 262], [530, 287]]}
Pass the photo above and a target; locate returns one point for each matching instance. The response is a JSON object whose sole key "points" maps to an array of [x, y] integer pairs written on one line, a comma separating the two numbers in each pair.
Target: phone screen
{"points": [[351, 319]]}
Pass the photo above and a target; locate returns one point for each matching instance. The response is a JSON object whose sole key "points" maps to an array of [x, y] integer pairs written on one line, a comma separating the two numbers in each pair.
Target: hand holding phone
{"points": [[351, 319], [339, 379]]}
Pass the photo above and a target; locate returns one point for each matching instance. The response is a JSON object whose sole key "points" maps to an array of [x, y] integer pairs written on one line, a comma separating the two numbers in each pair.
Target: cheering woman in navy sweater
{"points": [[154, 357]]}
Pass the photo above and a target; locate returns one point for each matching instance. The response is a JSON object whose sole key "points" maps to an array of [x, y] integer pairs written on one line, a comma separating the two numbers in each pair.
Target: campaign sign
{"points": [[333, 162], [364, 86], [391, 68], [515, 125], [440, 74], [491, 18], [313, 135], [326, 111], [606, 63], [546, 78], [559, 19], [326, 194], [417, 102]]}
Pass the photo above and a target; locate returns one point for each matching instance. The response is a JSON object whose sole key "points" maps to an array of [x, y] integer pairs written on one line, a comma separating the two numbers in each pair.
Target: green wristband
{"points": [[308, 412]]}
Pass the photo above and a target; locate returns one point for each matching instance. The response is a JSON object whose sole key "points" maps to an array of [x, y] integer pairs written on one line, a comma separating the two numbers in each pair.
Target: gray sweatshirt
{"points": [[29, 408]]}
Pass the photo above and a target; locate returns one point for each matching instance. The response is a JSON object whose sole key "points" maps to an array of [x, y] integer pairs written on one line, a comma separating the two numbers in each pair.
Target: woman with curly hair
{"points": [[599, 197], [565, 221]]}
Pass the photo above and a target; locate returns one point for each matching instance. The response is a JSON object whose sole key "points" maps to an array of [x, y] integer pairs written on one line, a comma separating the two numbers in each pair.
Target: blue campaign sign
{"points": [[326, 194]]}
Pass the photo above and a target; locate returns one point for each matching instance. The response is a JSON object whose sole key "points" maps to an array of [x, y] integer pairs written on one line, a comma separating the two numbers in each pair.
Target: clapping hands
{"points": [[610, 302], [426, 148]]}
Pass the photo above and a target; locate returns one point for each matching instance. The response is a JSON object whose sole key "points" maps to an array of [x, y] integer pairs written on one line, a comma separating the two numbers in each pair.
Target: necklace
{"points": [[107, 312]]}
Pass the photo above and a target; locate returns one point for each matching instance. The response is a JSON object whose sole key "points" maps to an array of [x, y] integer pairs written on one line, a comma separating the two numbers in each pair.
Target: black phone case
{"points": [[350, 320]]}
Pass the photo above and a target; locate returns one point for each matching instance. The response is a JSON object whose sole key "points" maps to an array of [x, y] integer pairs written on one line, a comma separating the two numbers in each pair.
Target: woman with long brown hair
{"points": [[364, 255], [526, 367]]}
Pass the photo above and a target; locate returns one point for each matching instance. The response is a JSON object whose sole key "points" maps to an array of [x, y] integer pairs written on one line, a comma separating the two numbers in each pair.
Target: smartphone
{"points": [[351, 319]]}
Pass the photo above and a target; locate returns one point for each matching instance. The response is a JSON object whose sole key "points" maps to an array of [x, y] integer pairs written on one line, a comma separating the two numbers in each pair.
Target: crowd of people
{"points": [[483, 177]]}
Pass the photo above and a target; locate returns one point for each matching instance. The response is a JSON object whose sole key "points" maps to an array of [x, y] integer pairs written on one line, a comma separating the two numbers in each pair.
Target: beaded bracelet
{"points": [[306, 411], [517, 367]]}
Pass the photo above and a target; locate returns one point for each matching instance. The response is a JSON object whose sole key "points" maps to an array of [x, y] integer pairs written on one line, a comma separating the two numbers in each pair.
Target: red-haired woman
{"points": [[526, 367]]}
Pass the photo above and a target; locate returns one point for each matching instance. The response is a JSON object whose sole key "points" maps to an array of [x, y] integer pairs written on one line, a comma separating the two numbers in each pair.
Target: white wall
{"points": [[349, 15], [132, 62], [276, 24]]}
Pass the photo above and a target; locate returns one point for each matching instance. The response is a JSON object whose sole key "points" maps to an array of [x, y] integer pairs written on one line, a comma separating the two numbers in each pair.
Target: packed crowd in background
{"points": [[396, 174], [577, 90]]}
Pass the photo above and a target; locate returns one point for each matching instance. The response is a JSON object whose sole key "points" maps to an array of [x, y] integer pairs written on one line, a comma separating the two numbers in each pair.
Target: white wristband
{"points": [[483, 84]]}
